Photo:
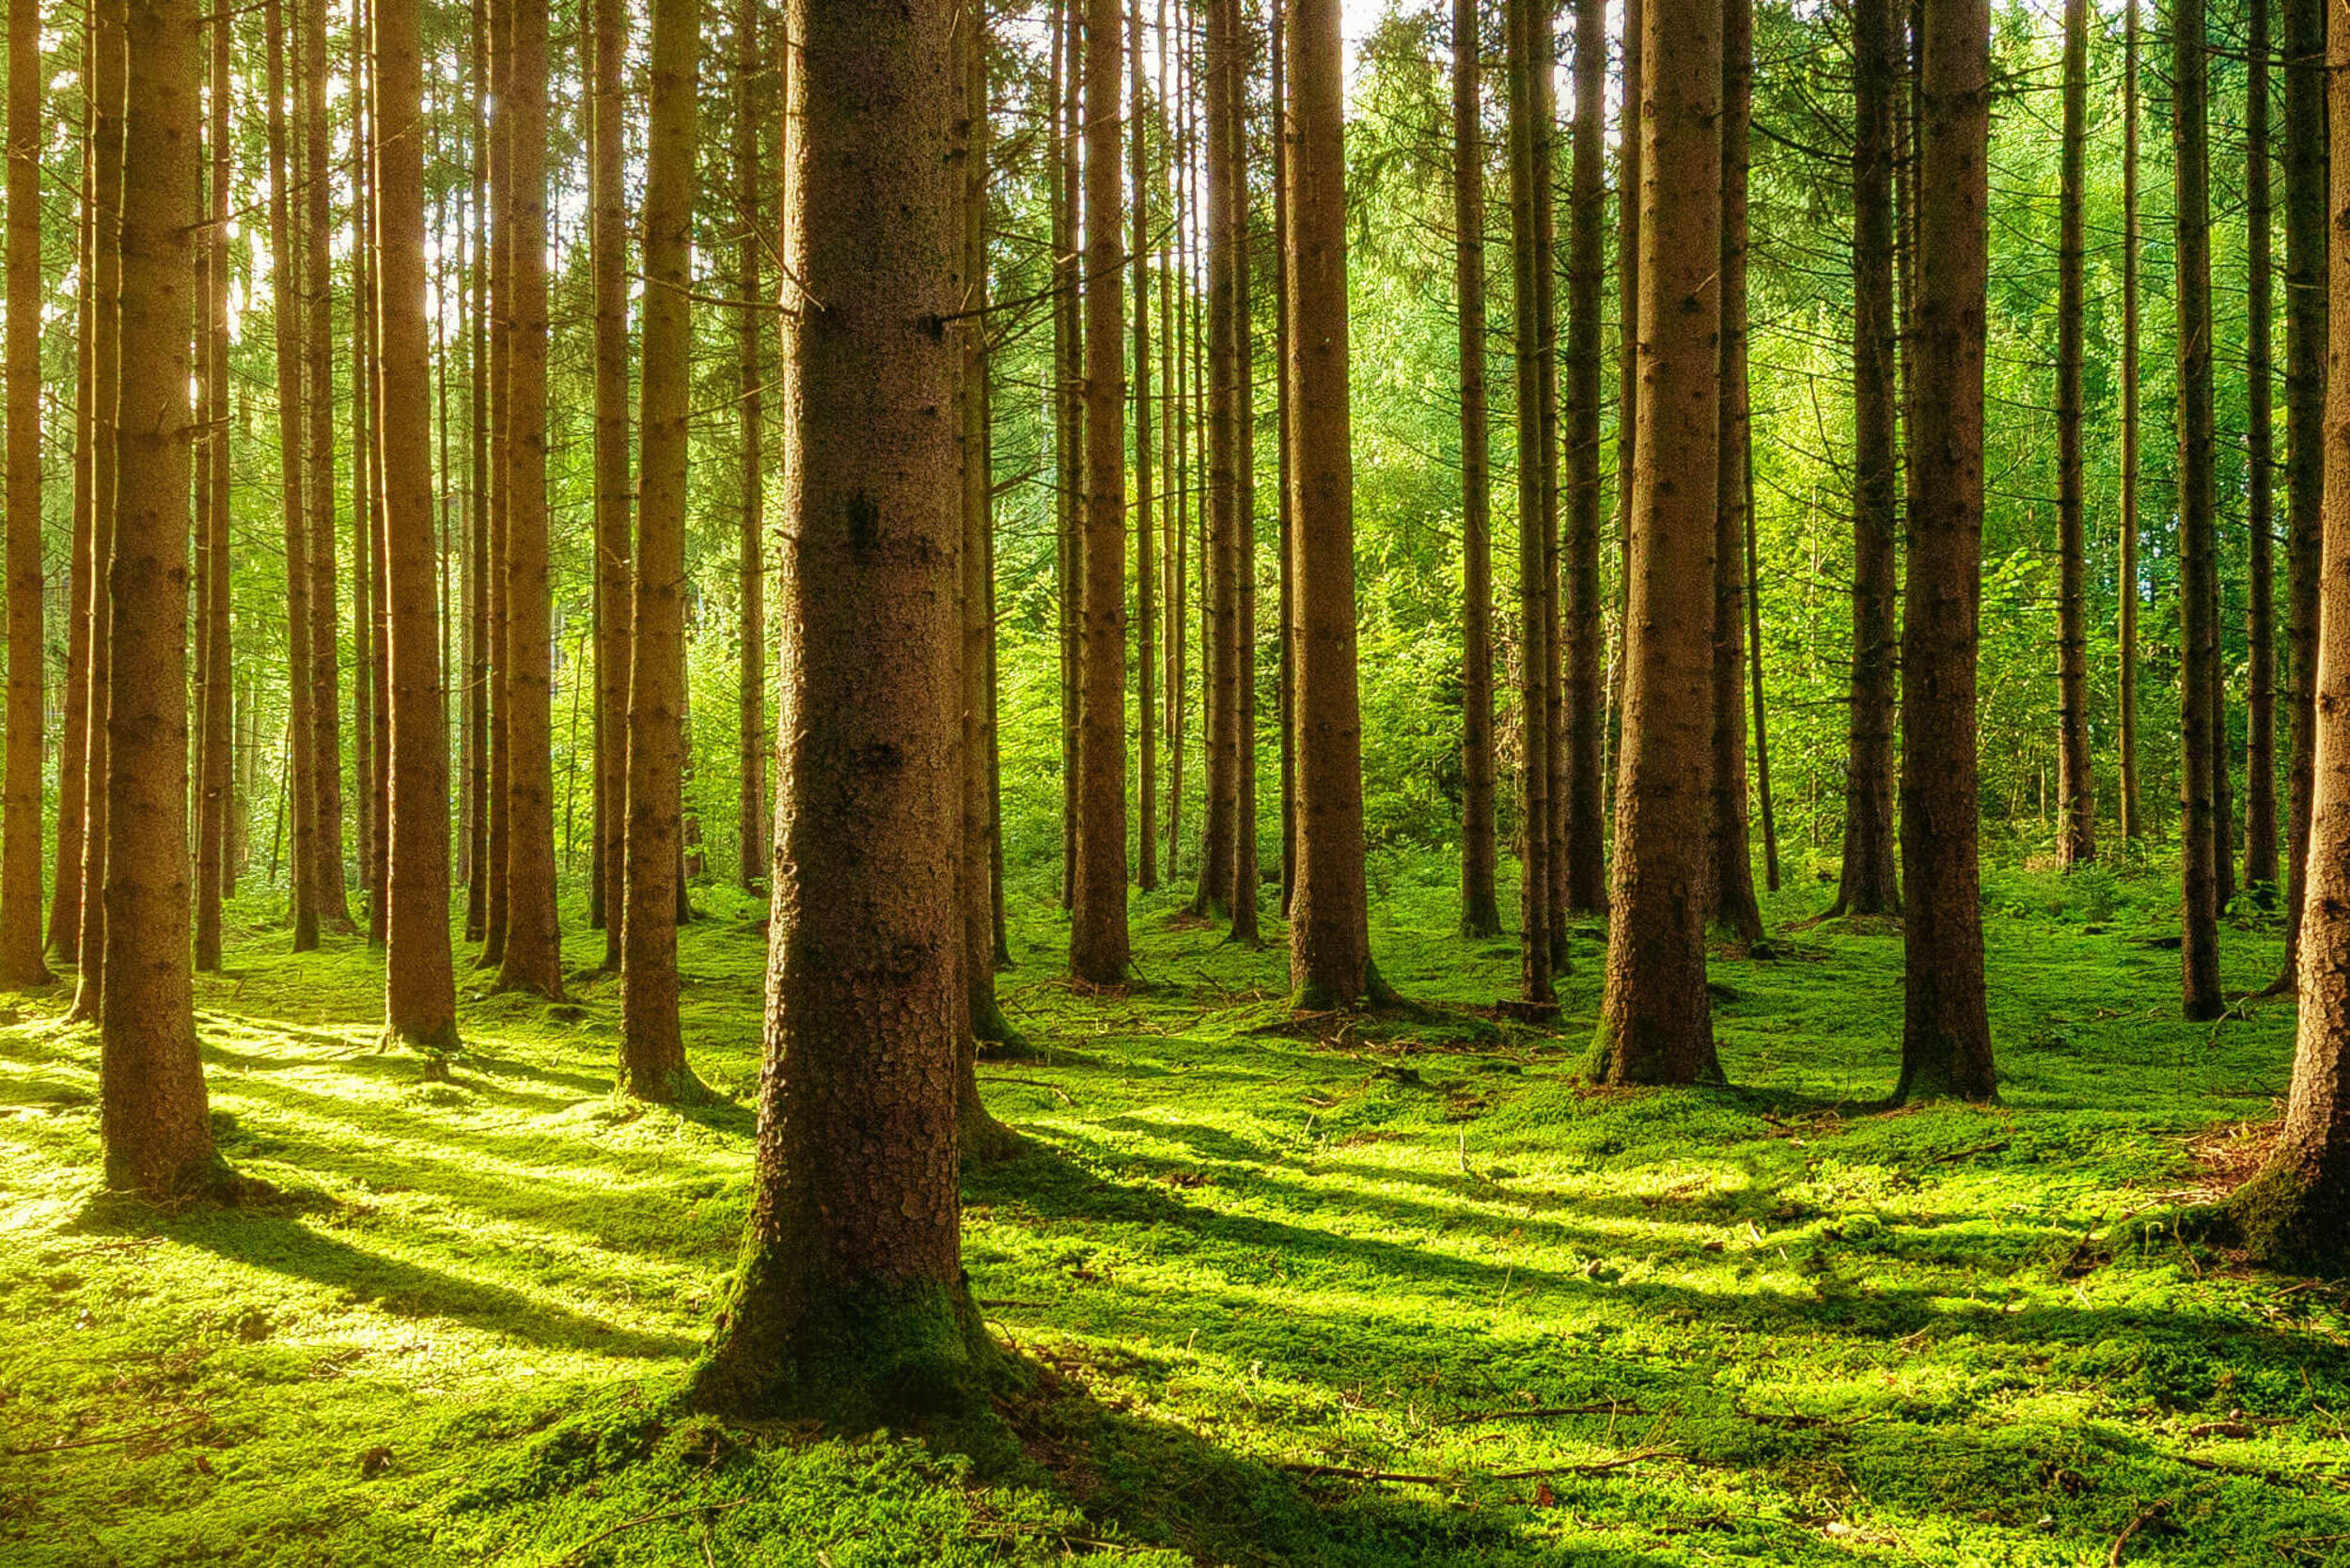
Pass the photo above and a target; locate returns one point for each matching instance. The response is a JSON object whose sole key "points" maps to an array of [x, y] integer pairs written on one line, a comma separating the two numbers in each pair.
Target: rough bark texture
{"points": [[1330, 964], [20, 794], [1868, 883], [2260, 515], [316, 260], [2296, 1211], [420, 997], [1656, 1025], [1732, 897], [293, 454], [1480, 913], [1627, 372], [533, 956], [105, 163], [65, 899], [500, 158], [1284, 523], [1219, 642], [2199, 664], [2076, 793], [653, 1049], [1586, 864], [1946, 1030], [1146, 609], [214, 687], [615, 484], [2133, 820], [1544, 62], [153, 1119], [753, 811], [1526, 21], [2306, 274], [1097, 933], [1069, 413], [851, 1302], [1246, 870]]}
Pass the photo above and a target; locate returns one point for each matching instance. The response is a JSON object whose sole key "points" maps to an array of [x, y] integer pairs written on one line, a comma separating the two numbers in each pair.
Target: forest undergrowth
{"points": [[1397, 1290]]}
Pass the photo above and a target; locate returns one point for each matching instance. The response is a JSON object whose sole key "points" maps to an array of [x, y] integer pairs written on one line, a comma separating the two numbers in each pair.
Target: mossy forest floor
{"points": [[1405, 1292]]}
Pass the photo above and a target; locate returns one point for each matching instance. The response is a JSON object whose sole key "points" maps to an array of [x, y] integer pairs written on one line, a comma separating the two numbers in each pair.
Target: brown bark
{"points": [[315, 261], [2260, 750], [212, 734], [2307, 271], [532, 958], [1098, 950], [477, 720], [21, 963], [1656, 1025], [1946, 1033], [65, 900], [1480, 912], [2076, 793], [293, 454], [1330, 962], [1246, 874], [1069, 429], [105, 167], [1731, 894], [1543, 61], [852, 1303], [1627, 376], [1177, 522], [2199, 676], [1285, 529], [1586, 863], [2133, 819], [153, 1119], [1754, 660], [1528, 59], [368, 541], [754, 810], [420, 999], [653, 1048], [614, 485], [2296, 1212], [1219, 647], [501, 161], [1146, 608]]}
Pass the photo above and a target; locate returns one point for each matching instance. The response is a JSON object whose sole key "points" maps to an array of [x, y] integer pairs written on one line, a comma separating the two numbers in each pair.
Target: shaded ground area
{"points": [[1248, 1268]]}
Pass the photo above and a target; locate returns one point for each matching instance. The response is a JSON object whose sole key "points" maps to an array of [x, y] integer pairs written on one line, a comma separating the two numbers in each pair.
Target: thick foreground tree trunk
{"points": [[153, 1119], [1655, 1024], [1946, 1030], [851, 1303], [21, 963]]}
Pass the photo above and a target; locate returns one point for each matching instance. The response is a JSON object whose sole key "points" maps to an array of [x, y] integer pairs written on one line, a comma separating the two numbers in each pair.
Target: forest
{"points": [[1353, 782]]}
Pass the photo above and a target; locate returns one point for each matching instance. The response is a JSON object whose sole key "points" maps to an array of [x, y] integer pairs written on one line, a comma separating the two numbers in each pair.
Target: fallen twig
{"points": [[2147, 1516], [1593, 1467], [677, 1513], [115, 1437], [1534, 1412]]}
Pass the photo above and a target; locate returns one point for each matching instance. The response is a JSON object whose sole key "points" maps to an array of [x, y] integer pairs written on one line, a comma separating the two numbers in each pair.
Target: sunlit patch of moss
{"points": [[1241, 1266]]}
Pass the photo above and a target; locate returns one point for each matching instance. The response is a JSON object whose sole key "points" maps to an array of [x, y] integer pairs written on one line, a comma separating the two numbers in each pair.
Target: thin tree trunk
{"points": [[293, 454], [2200, 756], [1754, 660], [1526, 67], [1330, 962], [1098, 950], [315, 256], [1178, 521], [213, 739], [21, 964], [2133, 819], [1246, 877], [369, 507], [483, 396], [1732, 899], [2076, 793], [1220, 645], [65, 901], [501, 159], [1146, 610], [1628, 187], [2260, 752], [1481, 911], [1656, 1025], [1069, 440], [615, 483], [2306, 274], [1585, 865], [1544, 61], [152, 1112], [754, 810], [653, 1048], [1946, 1033], [1285, 522]]}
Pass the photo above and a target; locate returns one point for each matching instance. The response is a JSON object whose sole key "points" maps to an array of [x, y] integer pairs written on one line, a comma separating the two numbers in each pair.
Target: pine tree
{"points": [[21, 963], [2077, 794], [1586, 864], [1527, 23], [212, 647], [754, 809], [607, 264], [2201, 755], [2306, 274], [2260, 751], [1480, 912]]}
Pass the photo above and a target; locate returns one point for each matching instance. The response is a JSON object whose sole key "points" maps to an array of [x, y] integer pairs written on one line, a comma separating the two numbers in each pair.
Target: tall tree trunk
{"points": [[107, 68], [2307, 271], [1868, 884], [1285, 524], [65, 900], [1946, 1031], [315, 256], [615, 483], [754, 809], [1330, 962], [1098, 950], [1219, 646], [1177, 519], [2260, 752], [1146, 609], [501, 161], [2200, 756], [1754, 660], [293, 454], [1543, 57], [1480, 912], [1732, 892], [21, 963], [1656, 1025], [1627, 375], [532, 959], [153, 1116], [1526, 24], [1245, 876], [653, 1048], [372, 543], [2133, 819], [2296, 1211], [480, 397], [1068, 407], [213, 738], [2076, 791], [420, 999], [1585, 865], [851, 1302]]}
